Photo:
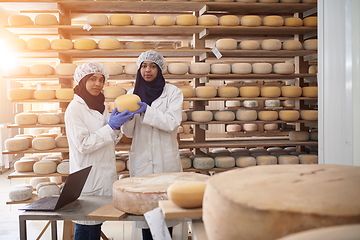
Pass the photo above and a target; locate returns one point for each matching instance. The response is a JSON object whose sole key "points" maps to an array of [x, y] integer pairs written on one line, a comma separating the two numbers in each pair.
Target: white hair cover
{"points": [[153, 57], [89, 68]]}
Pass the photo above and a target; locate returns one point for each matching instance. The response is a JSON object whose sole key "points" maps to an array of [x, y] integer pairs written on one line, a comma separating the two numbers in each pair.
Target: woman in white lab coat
{"points": [[154, 147], [92, 134]]}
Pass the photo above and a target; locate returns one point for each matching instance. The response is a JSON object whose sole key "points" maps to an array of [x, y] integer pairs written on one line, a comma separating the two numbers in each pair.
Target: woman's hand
{"points": [[118, 119], [143, 107]]}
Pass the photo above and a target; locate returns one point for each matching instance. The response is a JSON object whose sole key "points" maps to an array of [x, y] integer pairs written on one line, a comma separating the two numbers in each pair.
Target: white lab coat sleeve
{"points": [[169, 120], [128, 127]]}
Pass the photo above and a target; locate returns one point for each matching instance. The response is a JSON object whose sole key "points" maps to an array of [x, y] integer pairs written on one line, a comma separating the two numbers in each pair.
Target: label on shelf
{"points": [[216, 52]]}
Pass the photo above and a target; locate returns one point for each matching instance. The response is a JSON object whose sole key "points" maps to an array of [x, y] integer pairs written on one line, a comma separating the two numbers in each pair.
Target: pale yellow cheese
{"points": [[26, 118], [164, 21], [142, 20], [224, 116], [48, 118], [187, 194], [177, 68], [44, 94], [208, 20], [41, 69], [313, 69], [266, 160], [38, 44], [250, 127], [270, 91], [127, 102], [85, 44], [45, 19], [135, 45], [131, 68], [114, 92], [308, 159], [97, 19], [251, 21], [65, 68], [45, 167], [284, 68], [25, 165], [17, 70], [311, 115], [220, 68], [268, 115], [205, 91], [186, 20], [109, 43], [310, 91], [226, 44], [245, 161], [261, 68], [271, 44], [19, 20], [43, 143], [299, 136], [188, 92], [61, 44], [273, 21], [114, 68], [289, 115], [291, 91], [249, 45], [292, 45], [199, 68], [61, 142], [241, 68], [16, 144], [228, 92], [293, 22], [249, 91], [310, 21], [120, 165], [15, 44], [185, 162], [229, 20], [120, 20], [233, 128], [19, 94], [201, 116], [64, 93], [271, 126], [311, 44]]}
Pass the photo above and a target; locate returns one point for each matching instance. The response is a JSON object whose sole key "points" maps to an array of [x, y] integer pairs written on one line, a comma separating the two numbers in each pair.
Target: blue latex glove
{"points": [[118, 119], [143, 107]]}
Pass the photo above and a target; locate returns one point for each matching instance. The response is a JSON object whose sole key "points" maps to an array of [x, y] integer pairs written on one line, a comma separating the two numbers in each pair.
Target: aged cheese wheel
{"points": [[25, 165], [41, 69], [233, 128], [220, 68], [246, 115], [271, 44], [205, 91], [228, 92], [36, 180], [310, 21], [208, 20], [187, 194], [64, 93], [289, 115], [224, 116], [17, 71], [15, 44], [16, 144], [26, 118], [289, 1], [271, 126], [314, 135], [186, 20], [177, 68], [250, 103], [114, 68], [311, 115], [273, 21], [61, 44], [19, 20], [270, 91], [268, 115], [65, 68], [203, 162], [293, 22], [131, 68], [308, 158], [61, 142], [137, 195], [120, 165], [44, 94], [249, 91], [262, 159], [313, 69], [201, 116], [291, 91], [310, 92], [249, 45], [97, 19], [262, 68], [142, 19], [19, 94], [120, 20], [250, 127], [21, 192], [135, 45], [226, 44], [85, 44], [48, 190], [311, 44], [164, 21], [188, 92], [241, 68], [29, 137], [127, 102], [229, 20], [45, 167], [269, 1], [45, 19], [38, 44], [43, 184], [245, 161], [251, 21], [288, 159], [272, 103], [114, 92], [109, 43], [224, 162], [63, 168], [299, 136], [292, 45], [43, 143], [185, 162]]}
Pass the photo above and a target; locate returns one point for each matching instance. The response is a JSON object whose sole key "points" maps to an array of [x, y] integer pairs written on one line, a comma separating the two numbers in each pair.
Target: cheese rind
{"points": [[289, 115], [127, 102], [97, 19], [43, 143], [15, 44], [26, 118], [177, 68], [64, 93], [224, 116], [249, 45], [241, 68], [310, 92], [16, 144], [291, 91], [61, 44], [310, 21], [249, 91], [261, 68], [44, 167], [226, 44], [299, 136], [187, 194], [44, 94], [228, 92], [220, 68], [251, 21], [20, 193], [271, 44], [273, 21], [143, 19], [120, 20], [229, 20], [224, 162], [45, 19], [201, 116], [270, 91], [186, 20], [41, 69], [292, 45], [268, 115], [164, 21], [293, 22], [246, 115], [85, 44], [19, 20]]}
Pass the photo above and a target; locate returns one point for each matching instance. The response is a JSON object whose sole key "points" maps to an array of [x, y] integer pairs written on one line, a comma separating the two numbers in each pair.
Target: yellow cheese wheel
{"points": [[25, 165], [48, 118], [291, 91], [293, 22], [292, 45], [38, 44], [187, 194], [177, 68], [65, 69], [43, 143], [164, 21], [241, 68], [251, 21], [310, 91], [19, 20], [131, 68], [188, 92], [45, 19], [199, 68], [97, 19], [249, 91], [85, 44], [228, 91], [15, 44], [288, 159], [224, 116], [44, 94], [266, 160], [308, 158], [19, 94], [273, 21], [202, 116], [283, 68], [142, 19], [313, 69], [299, 136], [120, 20], [224, 162], [311, 44], [249, 45], [127, 102], [45, 167], [184, 116], [246, 115], [271, 44], [64, 93], [41, 69], [109, 43], [135, 45], [114, 92], [17, 71], [226, 44], [61, 142], [250, 127], [289, 115], [205, 91], [311, 115], [310, 21], [120, 165], [16, 144], [268, 115], [220, 68], [262, 68], [186, 20], [61, 44], [229, 20], [114, 68], [271, 126], [29, 137], [26, 118], [208, 20]]}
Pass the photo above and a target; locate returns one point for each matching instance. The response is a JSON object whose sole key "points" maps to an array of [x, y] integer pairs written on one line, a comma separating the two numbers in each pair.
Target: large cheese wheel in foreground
{"points": [[137, 195], [258, 205], [127, 102]]}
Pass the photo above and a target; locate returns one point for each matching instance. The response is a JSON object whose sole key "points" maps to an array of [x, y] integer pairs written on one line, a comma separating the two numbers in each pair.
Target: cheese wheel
{"points": [[120, 20], [45, 19], [250, 127], [186, 20], [109, 43], [43, 143], [25, 165], [289, 1], [310, 21], [271, 126], [19, 20], [288, 159], [16, 144], [224, 162], [131, 68], [48, 190], [127, 102], [15, 44], [308, 159], [233, 128], [203, 163], [311, 44], [224, 116], [44, 94], [314, 135], [283, 68], [201, 116], [273, 21], [45, 167], [313, 69], [226, 44], [269, 1], [310, 92], [114, 92], [291, 91], [97, 19], [299, 136], [272, 103], [228, 92], [232, 103], [311, 115], [249, 91], [266, 160], [293, 22], [20, 193], [292, 45], [85, 44], [250, 21], [271, 44], [65, 68], [220, 68], [205, 91], [245, 161], [43, 184], [135, 45], [64, 93], [262, 68], [140, 194], [26, 118], [208, 20], [120, 165], [250, 103], [289, 115], [29, 137], [268, 115], [188, 92], [143, 19], [241, 68], [61, 44], [38, 44], [114, 68], [41, 69], [246, 115], [187, 194], [36, 180], [61, 142], [229, 20], [270, 91], [177, 68], [164, 21], [249, 45], [17, 71], [246, 1], [199, 68], [47, 134], [185, 162]]}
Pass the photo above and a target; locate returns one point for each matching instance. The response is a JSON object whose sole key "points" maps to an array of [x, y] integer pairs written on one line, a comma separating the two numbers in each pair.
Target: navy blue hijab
{"points": [[149, 91]]}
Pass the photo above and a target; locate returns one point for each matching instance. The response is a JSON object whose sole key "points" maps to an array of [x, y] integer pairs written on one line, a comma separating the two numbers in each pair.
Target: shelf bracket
{"points": [[310, 12], [310, 35], [203, 57], [204, 33], [203, 10]]}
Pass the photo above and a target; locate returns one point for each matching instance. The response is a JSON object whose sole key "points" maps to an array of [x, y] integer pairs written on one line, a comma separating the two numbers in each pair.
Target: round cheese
{"points": [[289, 115], [291, 91], [97, 19], [65, 68], [120, 165], [208, 20], [250, 103], [142, 20], [15, 44], [271, 44], [226, 44], [61, 142], [140, 194], [120, 20], [25, 165], [135, 45], [26, 118], [229, 20], [308, 159], [246, 115], [45, 19], [85, 44], [164, 21], [62, 116], [271, 126], [36, 180], [44, 94], [47, 134], [224, 162], [310, 92], [186, 20], [249, 91], [233, 128], [310, 21], [299, 136], [205, 91], [266, 160], [314, 135], [262, 68], [45, 167], [199, 68], [41, 69], [268, 115], [188, 92], [273, 21], [269, 1], [289, 1], [292, 45], [313, 69], [251, 21], [114, 68], [187, 194], [28, 137], [224, 116], [203, 162], [201, 116], [109, 43], [48, 190], [245, 161], [17, 71], [288, 159], [61, 44], [64, 93], [283, 68], [177, 68], [16, 144], [43, 143], [38, 44], [272, 103], [241, 68], [311, 44], [293, 22], [131, 68], [270, 91], [114, 92], [20, 193], [127, 102], [20, 20], [220, 68], [250, 127], [185, 162], [42, 184], [246, 1], [311, 115], [228, 92], [249, 45]]}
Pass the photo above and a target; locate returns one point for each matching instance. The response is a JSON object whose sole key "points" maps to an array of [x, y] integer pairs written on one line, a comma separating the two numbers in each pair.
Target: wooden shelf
{"points": [[242, 122], [35, 126], [246, 98], [41, 101], [32, 174], [31, 150]]}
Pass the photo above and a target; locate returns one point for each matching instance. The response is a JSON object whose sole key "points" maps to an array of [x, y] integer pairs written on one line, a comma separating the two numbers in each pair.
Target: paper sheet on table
{"points": [[156, 222]]}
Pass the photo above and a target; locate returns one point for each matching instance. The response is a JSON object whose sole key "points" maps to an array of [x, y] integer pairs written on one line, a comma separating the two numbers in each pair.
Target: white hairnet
{"points": [[89, 68], [153, 57]]}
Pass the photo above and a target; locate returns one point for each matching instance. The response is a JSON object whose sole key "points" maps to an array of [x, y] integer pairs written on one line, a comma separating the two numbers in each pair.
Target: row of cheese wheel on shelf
{"points": [[268, 127], [41, 142], [267, 103], [250, 115], [249, 91], [41, 94], [39, 118]]}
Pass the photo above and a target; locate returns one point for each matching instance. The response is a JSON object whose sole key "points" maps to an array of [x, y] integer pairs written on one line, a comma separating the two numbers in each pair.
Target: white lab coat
{"points": [[91, 142]]}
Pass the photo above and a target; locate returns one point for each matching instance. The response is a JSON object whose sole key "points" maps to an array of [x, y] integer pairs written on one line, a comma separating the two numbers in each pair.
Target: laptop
{"points": [[71, 191]]}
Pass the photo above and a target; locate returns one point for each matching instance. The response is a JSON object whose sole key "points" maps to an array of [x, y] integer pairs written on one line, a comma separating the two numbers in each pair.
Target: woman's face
{"points": [[148, 70], [95, 84]]}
